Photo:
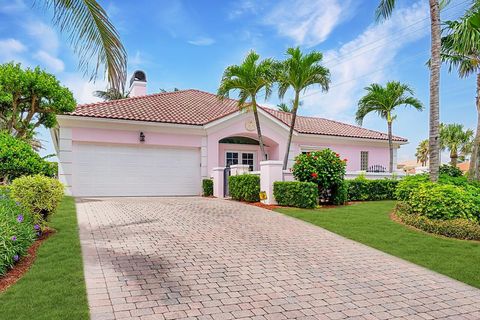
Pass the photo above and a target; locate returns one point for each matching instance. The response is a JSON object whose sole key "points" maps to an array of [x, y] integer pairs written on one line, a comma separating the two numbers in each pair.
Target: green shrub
{"points": [[296, 194], [408, 184], [40, 195], [17, 233], [207, 186], [245, 187], [340, 193], [17, 158], [455, 228], [325, 169], [362, 189], [450, 170], [444, 202]]}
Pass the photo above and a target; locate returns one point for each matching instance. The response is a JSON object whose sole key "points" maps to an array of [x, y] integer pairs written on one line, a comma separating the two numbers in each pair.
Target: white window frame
{"points": [[368, 156], [255, 159]]}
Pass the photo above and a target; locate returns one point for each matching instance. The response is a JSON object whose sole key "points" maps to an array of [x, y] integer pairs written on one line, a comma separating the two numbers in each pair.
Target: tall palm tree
{"points": [[461, 51], [249, 78], [455, 139], [298, 72], [93, 38], [384, 101], [384, 11], [422, 152], [111, 94]]}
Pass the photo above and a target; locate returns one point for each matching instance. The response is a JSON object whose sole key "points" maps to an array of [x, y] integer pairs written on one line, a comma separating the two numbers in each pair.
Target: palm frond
{"points": [[384, 9], [93, 37]]}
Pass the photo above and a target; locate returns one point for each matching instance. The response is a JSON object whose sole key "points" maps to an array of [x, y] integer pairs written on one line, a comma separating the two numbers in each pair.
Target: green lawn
{"points": [[369, 223], [54, 287]]}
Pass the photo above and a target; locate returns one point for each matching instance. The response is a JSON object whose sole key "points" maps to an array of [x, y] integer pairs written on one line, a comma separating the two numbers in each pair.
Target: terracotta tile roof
{"points": [[315, 125], [192, 107], [195, 107]]}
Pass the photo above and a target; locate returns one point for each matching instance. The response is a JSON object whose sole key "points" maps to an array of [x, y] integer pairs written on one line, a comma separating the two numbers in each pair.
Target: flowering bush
{"points": [[17, 232], [326, 170], [40, 195]]}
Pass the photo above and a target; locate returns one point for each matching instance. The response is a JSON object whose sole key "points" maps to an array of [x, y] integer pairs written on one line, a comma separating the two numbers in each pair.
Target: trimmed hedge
{"points": [[245, 187], [17, 233], [296, 194], [455, 228], [361, 189], [207, 186]]}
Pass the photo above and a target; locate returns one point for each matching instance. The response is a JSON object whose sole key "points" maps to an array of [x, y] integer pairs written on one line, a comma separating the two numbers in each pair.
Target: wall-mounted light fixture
{"points": [[142, 137]]}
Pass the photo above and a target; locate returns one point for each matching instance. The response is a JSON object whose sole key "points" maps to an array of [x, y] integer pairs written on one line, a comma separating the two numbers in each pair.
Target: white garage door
{"points": [[112, 170]]}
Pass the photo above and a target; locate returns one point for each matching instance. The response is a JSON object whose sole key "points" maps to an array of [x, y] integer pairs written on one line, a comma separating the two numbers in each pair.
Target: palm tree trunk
{"points": [[292, 127], [474, 171], [390, 146], [453, 159], [434, 90], [259, 131]]}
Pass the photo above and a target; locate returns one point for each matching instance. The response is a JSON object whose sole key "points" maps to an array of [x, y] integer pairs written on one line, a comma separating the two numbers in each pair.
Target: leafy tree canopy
{"points": [[17, 158], [30, 98]]}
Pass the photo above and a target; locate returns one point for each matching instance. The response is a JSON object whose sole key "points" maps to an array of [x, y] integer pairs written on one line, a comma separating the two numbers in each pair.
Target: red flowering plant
{"points": [[325, 168]]}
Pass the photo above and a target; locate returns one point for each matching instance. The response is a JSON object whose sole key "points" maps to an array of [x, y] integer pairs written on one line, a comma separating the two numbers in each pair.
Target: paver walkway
{"points": [[178, 258]]}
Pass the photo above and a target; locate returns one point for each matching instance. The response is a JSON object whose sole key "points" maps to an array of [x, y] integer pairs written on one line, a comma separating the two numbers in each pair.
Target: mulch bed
{"points": [[25, 262], [263, 205]]}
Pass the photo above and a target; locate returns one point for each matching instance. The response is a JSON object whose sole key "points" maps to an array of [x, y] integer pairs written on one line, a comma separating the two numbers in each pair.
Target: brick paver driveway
{"points": [[176, 258]]}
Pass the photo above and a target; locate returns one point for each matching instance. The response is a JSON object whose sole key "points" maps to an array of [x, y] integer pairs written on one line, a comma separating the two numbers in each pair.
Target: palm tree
{"points": [[111, 94], [298, 72], [422, 152], [93, 38], [461, 51], [383, 101], [284, 107], [249, 78], [384, 11], [455, 139]]}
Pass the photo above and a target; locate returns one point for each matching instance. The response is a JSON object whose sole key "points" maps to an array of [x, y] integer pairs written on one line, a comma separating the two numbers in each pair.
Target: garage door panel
{"points": [[112, 170]]}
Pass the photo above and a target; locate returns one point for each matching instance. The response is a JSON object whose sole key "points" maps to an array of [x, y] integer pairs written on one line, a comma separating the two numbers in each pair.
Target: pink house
{"points": [[166, 143]]}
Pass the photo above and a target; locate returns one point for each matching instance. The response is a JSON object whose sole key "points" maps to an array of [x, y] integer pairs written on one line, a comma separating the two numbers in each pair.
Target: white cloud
{"points": [[12, 6], [364, 60], [11, 50], [11, 46], [83, 89], [307, 22], [243, 7], [43, 34], [202, 41], [52, 63]]}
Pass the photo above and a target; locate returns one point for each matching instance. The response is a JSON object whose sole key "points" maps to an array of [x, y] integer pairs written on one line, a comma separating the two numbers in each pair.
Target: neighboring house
{"points": [[412, 167], [165, 143], [464, 166]]}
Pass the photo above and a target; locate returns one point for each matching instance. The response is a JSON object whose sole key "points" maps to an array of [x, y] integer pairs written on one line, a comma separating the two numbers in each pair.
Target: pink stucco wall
{"points": [[275, 139], [132, 137], [376, 155]]}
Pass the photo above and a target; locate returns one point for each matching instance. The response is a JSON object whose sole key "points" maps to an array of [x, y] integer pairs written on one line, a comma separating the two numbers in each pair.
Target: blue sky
{"points": [[187, 44]]}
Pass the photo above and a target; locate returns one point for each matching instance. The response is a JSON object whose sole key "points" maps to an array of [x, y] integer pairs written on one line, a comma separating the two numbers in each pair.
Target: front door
{"points": [[239, 157]]}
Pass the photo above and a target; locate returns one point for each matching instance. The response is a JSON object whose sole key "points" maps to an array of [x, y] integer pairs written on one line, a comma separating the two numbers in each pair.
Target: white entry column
{"points": [[270, 171]]}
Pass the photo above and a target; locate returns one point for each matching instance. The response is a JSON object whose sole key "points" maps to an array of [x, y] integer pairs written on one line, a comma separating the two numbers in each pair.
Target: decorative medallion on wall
{"points": [[250, 125]]}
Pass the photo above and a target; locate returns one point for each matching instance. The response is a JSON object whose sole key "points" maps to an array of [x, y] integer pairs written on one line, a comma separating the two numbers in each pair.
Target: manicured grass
{"points": [[54, 287], [369, 223]]}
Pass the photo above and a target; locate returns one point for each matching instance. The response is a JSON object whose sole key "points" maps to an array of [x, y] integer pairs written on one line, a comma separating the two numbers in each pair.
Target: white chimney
{"points": [[138, 84]]}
